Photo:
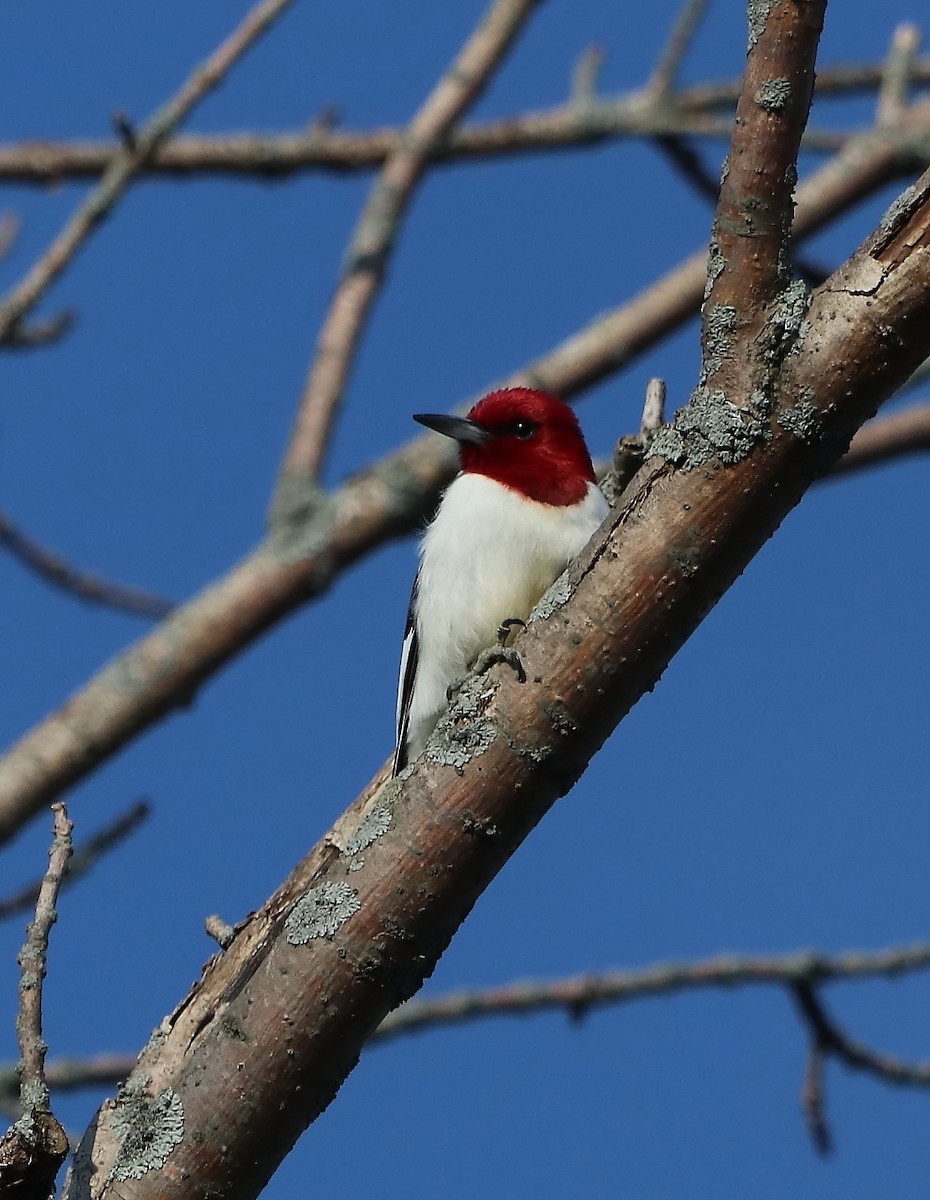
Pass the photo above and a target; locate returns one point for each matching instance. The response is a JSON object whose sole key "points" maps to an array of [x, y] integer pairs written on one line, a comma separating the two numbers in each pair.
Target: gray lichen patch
{"points": [[709, 426], [669, 444], [553, 599], [463, 733], [774, 95], [147, 1129], [719, 322], [715, 265], [898, 210], [803, 420], [33, 1095], [758, 14], [788, 324], [320, 912], [374, 823]]}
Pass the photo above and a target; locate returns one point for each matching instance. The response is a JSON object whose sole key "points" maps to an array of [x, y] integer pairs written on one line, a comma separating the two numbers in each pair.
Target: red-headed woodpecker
{"points": [[525, 503]]}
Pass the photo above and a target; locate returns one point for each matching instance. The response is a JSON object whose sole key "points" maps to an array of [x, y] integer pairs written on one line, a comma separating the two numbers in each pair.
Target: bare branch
{"points": [[665, 75], [9, 231], [364, 917], [35, 1147], [374, 237], [61, 574], [585, 75], [383, 502], [83, 859], [125, 163], [812, 1101], [37, 334], [572, 996], [887, 438], [896, 80], [748, 261], [585, 992], [32, 960], [831, 1040], [321, 148], [654, 408]]}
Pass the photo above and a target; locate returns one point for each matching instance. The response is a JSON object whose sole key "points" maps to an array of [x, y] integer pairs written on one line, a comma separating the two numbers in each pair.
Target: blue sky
{"points": [[769, 795]]}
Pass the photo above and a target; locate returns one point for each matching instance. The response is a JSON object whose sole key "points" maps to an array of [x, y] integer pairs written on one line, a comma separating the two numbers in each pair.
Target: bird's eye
{"points": [[523, 429]]}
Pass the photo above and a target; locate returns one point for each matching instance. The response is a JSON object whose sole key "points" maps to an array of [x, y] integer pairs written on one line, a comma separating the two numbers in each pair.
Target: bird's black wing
{"points": [[408, 673]]}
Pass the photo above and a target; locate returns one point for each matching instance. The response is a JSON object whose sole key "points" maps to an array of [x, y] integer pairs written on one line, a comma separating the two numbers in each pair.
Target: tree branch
{"points": [[82, 860], [574, 996], [125, 163], [748, 265], [665, 74], [885, 439], [32, 1151], [689, 112], [830, 1040], [306, 981], [57, 571], [373, 240], [382, 502]]}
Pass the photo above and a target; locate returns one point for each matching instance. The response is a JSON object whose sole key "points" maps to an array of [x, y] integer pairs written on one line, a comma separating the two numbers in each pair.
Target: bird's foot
{"points": [[502, 653]]}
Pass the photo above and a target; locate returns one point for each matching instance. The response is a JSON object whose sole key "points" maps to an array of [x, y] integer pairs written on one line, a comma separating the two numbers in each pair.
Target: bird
{"points": [[523, 505]]}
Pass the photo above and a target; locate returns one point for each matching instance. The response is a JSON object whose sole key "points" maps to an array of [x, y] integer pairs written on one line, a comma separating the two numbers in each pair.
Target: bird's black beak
{"points": [[459, 428]]}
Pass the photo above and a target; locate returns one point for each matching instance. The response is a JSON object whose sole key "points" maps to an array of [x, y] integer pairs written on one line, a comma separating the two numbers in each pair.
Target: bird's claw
{"points": [[507, 627], [488, 658], [501, 653]]}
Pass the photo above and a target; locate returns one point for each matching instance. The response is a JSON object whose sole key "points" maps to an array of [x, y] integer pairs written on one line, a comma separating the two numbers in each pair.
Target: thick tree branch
{"points": [[306, 981], [125, 163], [387, 500], [373, 240]]}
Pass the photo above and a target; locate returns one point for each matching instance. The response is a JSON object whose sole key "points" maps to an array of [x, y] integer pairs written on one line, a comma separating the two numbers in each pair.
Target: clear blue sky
{"points": [[769, 795]]}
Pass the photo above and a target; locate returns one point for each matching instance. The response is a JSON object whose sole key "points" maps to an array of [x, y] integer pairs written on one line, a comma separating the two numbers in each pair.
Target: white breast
{"points": [[488, 555]]}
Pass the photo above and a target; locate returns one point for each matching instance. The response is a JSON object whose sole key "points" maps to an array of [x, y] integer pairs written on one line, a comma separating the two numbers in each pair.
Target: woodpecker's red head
{"points": [[527, 440]]}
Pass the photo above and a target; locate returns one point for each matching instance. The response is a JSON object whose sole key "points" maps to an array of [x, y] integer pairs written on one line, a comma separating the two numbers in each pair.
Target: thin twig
{"points": [[376, 232], [586, 73], [37, 334], [812, 1100], [833, 1041], [125, 163], [653, 408], [32, 960], [571, 996], [35, 1147], [665, 75], [83, 859], [896, 79], [322, 148], [585, 992], [887, 438], [54, 569], [9, 232], [686, 160]]}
